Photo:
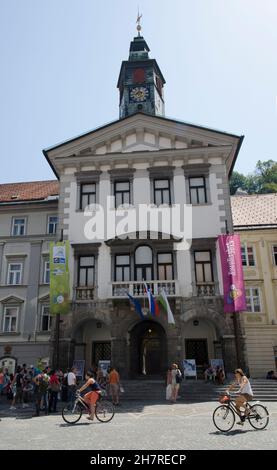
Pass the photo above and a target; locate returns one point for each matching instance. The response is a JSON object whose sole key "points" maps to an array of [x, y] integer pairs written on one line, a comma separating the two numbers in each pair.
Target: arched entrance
{"points": [[201, 342], [92, 342], [148, 350]]}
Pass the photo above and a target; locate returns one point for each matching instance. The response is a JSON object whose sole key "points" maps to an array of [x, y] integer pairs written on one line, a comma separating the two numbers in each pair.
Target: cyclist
{"points": [[93, 393], [244, 393]]}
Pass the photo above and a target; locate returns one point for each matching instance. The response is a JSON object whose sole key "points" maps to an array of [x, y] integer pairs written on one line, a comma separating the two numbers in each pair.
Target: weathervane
{"points": [[138, 23]]}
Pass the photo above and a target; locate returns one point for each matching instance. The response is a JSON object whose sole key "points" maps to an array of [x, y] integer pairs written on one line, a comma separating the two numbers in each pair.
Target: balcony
{"points": [[137, 288], [85, 293], [205, 289]]}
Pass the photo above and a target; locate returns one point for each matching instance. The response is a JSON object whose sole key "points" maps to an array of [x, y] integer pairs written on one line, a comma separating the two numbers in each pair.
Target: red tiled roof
{"points": [[254, 210], [30, 191]]}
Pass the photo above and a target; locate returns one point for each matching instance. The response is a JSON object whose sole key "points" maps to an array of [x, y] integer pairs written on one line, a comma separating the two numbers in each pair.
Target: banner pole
{"points": [[58, 321]]}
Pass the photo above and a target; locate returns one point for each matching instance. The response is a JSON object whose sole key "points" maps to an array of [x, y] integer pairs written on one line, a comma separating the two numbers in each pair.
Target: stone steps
{"points": [[264, 390]]}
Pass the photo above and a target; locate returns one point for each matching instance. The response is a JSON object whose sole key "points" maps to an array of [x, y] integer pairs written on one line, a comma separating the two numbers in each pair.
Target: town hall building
{"points": [[141, 158]]}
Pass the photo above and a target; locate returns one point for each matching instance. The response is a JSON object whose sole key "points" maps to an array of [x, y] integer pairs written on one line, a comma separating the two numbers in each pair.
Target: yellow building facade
{"points": [[255, 220]]}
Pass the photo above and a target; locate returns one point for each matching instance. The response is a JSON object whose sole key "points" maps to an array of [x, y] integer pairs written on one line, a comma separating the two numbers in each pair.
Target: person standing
{"points": [[176, 375], [54, 388], [72, 385], [114, 382], [2, 377]]}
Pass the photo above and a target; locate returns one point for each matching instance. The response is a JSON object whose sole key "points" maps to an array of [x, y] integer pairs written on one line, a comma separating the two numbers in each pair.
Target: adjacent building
{"points": [[255, 219]]}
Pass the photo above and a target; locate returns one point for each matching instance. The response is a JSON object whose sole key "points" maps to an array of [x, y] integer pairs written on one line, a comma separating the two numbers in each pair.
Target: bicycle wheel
{"points": [[71, 413], [223, 418], [104, 411], [258, 417]]}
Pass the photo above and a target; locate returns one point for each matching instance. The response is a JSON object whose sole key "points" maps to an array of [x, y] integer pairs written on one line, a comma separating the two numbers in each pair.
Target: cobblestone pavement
{"points": [[136, 425]]}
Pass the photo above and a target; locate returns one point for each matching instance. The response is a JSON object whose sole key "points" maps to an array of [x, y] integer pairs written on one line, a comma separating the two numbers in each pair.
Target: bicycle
{"points": [[72, 412], [224, 415]]}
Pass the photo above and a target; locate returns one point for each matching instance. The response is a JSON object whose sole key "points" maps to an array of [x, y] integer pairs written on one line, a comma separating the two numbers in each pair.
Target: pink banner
{"points": [[232, 273]]}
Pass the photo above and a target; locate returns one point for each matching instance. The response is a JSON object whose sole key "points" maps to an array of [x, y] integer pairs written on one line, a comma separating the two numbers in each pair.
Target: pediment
{"points": [[44, 298], [141, 133], [12, 299]]}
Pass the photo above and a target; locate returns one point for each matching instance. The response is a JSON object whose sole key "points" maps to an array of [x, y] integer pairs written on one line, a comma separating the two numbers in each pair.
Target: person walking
{"points": [[114, 383]]}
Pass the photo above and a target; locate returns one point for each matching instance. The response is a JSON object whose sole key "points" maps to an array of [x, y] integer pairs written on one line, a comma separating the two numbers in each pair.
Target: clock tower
{"points": [[140, 82]]}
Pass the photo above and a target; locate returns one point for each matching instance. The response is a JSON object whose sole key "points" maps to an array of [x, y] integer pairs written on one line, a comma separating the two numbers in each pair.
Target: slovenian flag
{"points": [[137, 305], [153, 306]]}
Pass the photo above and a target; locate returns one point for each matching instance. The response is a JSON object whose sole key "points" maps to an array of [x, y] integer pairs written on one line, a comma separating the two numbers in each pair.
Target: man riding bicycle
{"points": [[93, 393], [244, 393]]}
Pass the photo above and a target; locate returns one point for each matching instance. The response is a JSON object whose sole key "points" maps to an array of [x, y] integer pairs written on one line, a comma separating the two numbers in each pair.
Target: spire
{"points": [[138, 23]]}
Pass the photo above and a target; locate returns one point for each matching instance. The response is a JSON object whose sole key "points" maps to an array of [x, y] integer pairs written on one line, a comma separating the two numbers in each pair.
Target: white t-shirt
{"points": [[71, 378]]}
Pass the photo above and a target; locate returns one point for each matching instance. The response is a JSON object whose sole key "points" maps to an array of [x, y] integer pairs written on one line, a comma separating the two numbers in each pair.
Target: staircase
{"points": [[192, 390]]}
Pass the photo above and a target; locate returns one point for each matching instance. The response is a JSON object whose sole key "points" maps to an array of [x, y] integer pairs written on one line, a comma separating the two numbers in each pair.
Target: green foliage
{"points": [[263, 180]]}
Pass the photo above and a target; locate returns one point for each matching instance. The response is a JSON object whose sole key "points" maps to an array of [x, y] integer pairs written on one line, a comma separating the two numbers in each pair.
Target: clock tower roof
{"points": [[140, 81]]}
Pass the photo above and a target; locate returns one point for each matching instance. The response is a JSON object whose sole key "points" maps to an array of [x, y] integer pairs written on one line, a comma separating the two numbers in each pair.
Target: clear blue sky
{"points": [[61, 60]]}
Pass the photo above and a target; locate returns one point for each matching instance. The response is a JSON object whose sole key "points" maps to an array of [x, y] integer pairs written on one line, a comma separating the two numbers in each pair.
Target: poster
{"points": [[189, 366], [59, 278], [217, 363], [232, 273], [104, 365], [79, 365]]}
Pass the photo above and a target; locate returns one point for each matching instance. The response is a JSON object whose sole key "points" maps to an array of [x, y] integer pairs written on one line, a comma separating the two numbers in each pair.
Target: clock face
{"points": [[139, 94]]}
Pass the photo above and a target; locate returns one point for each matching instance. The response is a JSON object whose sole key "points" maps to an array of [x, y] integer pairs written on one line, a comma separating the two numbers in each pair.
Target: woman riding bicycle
{"points": [[93, 394], [245, 394]]}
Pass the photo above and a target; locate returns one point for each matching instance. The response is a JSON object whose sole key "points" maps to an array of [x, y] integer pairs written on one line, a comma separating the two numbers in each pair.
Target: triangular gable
{"points": [[11, 299], [141, 132]]}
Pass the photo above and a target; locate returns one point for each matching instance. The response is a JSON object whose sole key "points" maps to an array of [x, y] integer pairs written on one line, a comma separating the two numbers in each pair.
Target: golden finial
{"points": [[138, 23]]}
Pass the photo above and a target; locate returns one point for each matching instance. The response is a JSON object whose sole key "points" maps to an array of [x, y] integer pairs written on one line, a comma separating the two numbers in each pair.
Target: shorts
{"points": [[247, 397], [92, 397], [114, 388]]}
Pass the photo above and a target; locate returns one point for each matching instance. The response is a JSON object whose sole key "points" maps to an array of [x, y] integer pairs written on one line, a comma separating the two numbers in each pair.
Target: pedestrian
{"points": [[64, 386], [17, 388], [2, 380], [114, 384], [72, 384], [176, 377], [54, 388], [40, 386]]}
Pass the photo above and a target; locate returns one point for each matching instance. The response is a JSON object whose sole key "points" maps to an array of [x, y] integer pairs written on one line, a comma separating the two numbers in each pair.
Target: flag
{"points": [[136, 304], [153, 306], [163, 300]]}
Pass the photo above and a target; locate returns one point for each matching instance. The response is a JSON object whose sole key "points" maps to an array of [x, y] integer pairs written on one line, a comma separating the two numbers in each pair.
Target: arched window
{"points": [[143, 263]]}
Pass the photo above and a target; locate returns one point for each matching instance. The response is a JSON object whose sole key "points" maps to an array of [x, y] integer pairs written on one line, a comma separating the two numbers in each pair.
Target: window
{"points": [[274, 248], [253, 299], [88, 195], [10, 319], [46, 274], [143, 264], [162, 192], [86, 271], [46, 318], [122, 268], [197, 190], [19, 225], [203, 266], [247, 255], [14, 273], [52, 224], [165, 266], [122, 193]]}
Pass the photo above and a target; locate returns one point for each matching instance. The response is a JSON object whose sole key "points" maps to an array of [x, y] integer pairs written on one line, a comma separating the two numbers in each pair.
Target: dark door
{"points": [[101, 351], [198, 349]]}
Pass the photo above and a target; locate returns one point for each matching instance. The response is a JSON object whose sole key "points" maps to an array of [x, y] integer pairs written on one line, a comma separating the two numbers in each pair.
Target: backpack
{"points": [[179, 377]]}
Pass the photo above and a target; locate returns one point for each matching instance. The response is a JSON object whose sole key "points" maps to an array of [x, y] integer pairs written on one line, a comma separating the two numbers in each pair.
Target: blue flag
{"points": [[136, 304]]}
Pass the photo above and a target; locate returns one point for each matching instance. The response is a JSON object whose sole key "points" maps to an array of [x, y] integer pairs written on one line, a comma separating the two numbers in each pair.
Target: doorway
{"points": [[148, 350], [198, 349]]}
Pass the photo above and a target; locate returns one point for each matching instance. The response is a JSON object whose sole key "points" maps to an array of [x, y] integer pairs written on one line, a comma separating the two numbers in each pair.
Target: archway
{"points": [[92, 342], [148, 350], [201, 342]]}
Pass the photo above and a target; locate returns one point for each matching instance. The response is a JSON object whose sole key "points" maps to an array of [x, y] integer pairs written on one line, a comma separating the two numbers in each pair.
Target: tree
{"points": [[263, 180], [238, 180]]}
